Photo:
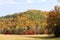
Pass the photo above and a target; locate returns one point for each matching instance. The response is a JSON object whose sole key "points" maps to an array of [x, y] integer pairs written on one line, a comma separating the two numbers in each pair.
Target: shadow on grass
{"points": [[47, 37]]}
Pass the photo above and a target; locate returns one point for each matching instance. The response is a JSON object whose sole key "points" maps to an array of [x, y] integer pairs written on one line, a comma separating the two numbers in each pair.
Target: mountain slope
{"points": [[31, 22]]}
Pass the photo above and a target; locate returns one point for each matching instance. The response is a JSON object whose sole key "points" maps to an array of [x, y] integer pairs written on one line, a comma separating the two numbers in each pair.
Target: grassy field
{"points": [[25, 37]]}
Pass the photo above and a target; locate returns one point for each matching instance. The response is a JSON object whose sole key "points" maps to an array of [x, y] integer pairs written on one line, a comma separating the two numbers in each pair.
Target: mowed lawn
{"points": [[25, 37]]}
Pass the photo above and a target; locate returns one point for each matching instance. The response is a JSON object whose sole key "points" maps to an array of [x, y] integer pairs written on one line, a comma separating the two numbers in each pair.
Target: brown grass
{"points": [[24, 37]]}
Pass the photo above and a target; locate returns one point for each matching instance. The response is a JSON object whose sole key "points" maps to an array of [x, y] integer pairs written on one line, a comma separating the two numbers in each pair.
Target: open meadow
{"points": [[25, 37]]}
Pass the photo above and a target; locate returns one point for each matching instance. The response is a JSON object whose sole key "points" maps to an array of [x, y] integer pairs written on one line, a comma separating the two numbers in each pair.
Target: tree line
{"points": [[31, 22]]}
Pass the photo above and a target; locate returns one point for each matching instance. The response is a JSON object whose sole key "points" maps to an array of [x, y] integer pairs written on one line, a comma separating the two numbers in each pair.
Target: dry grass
{"points": [[24, 37], [16, 37]]}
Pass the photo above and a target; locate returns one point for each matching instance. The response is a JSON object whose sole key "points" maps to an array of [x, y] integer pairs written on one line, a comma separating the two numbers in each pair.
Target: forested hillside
{"points": [[31, 22]]}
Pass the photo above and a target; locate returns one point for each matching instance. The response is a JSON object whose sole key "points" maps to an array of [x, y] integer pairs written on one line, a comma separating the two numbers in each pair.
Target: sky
{"points": [[14, 6]]}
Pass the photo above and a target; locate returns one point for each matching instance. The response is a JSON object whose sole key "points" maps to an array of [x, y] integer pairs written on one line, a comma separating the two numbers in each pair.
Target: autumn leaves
{"points": [[30, 22]]}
